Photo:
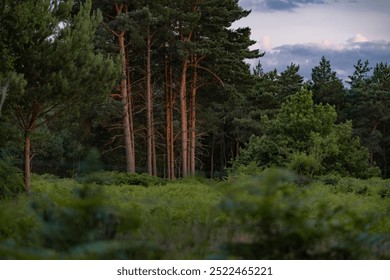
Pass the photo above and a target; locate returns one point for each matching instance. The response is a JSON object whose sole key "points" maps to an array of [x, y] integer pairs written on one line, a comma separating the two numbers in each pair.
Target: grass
{"points": [[196, 219]]}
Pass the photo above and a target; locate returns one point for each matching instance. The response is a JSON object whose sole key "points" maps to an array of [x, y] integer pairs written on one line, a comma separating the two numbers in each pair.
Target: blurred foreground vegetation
{"points": [[112, 215]]}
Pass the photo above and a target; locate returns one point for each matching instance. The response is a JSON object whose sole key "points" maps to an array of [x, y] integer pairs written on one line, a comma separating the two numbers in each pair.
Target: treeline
{"points": [[162, 87], [120, 76], [319, 126]]}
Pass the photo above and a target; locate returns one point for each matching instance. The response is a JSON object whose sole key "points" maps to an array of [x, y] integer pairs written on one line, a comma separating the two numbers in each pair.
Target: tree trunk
{"points": [[193, 119], [149, 108], [154, 156], [170, 141], [3, 93], [125, 103], [167, 119], [212, 158], [171, 131], [131, 121], [184, 118], [27, 162]]}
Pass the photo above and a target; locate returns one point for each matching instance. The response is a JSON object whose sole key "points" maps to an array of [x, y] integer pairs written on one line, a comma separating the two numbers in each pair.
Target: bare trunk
{"points": [[193, 120], [212, 158], [154, 156], [27, 162], [171, 132], [131, 122], [3, 93], [126, 116], [184, 119], [167, 120], [170, 152], [149, 122]]}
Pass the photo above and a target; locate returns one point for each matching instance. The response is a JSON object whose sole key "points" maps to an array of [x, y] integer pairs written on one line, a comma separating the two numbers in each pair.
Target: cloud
{"points": [[276, 5], [342, 57], [359, 38], [265, 43]]}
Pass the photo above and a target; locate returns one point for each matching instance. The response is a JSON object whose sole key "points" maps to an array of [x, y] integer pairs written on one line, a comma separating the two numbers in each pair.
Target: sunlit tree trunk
{"points": [[131, 121], [184, 118], [27, 124], [128, 131], [192, 142], [125, 105]]}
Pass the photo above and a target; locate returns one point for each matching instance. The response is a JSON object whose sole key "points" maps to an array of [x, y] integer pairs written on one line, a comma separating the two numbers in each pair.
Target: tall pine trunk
{"points": [[28, 126], [169, 131], [149, 107], [27, 161], [130, 110], [125, 105], [184, 118], [193, 119]]}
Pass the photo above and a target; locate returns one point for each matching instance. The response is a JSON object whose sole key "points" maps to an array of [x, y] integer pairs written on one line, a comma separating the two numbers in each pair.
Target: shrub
{"points": [[11, 180], [81, 225], [273, 220], [305, 166], [92, 162], [121, 178]]}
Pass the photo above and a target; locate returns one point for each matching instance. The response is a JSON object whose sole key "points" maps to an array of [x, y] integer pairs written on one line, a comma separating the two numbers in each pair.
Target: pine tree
{"points": [[55, 55], [368, 107], [326, 86]]}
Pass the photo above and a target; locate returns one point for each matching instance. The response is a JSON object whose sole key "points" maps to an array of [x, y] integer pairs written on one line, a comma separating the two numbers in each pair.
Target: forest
{"points": [[139, 130]]}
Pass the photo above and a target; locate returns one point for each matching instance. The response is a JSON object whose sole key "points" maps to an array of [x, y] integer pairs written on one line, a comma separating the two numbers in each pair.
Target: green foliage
{"points": [[181, 217], [275, 220], [265, 99], [372, 187], [265, 216], [251, 169], [80, 225], [91, 163], [11, 180], [305, 166], [326, 87], [306, 138], [122, 178], [368, 106]]}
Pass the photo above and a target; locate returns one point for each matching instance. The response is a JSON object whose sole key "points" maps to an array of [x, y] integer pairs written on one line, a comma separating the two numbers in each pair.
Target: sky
{"points": [[302, 31]]}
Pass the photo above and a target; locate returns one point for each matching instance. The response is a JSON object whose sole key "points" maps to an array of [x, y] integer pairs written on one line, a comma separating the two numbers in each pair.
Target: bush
{"points": [[245, 169], [81, 225], [121, 178], [92, 162], [274, 220], [305, 166], [11, 180]]}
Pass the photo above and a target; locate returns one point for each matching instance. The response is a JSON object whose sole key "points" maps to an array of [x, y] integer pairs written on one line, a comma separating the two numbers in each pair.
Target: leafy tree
{"points": [[55, 55], [307, 136], [265, 99]]}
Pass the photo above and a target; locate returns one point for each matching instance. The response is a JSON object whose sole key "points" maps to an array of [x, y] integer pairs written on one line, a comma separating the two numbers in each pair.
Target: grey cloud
{"points": [[280, 5], [342, 61], [276, 5]]}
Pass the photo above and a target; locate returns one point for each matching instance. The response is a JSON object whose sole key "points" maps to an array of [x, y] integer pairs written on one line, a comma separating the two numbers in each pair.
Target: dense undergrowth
{"points": [[109, 215]]}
